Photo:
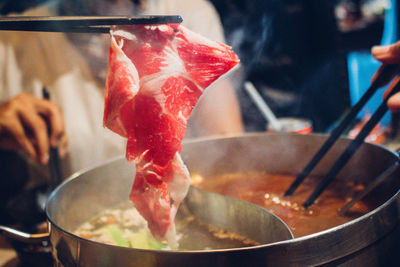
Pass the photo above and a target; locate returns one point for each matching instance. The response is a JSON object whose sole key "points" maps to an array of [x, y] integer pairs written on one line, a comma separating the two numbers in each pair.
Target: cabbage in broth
{"points": [[124, 226]]}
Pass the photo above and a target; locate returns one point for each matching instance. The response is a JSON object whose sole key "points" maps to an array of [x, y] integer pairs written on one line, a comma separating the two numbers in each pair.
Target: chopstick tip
{"points": [[308, 203]]}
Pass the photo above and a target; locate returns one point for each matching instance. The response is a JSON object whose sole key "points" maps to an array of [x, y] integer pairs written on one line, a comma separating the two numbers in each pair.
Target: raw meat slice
{"points": [[172, 67], [121, 86]]}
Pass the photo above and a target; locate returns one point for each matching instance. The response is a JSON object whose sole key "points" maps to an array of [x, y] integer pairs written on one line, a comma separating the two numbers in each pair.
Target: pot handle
{"points": [[24, 237]]}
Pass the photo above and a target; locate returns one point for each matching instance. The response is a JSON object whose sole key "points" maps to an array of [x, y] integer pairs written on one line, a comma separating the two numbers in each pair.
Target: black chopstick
{"points": [[352, 148], [378, 180], [56, 176], [84, 24], [386, 73], [88, 29]]}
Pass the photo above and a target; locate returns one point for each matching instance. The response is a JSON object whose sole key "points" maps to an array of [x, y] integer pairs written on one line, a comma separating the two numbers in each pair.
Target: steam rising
{"points": [[289, 51]]}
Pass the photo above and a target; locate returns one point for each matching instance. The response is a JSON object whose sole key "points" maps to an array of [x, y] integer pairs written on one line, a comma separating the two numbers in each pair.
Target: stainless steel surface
{"points": [[85, 195], [22, 236], [370, 240], [361, 242], [79, 24], [236, 216]]}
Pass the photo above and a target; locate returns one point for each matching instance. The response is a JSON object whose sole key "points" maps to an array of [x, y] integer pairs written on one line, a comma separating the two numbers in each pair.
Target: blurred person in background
{"points": [[73, 69]]}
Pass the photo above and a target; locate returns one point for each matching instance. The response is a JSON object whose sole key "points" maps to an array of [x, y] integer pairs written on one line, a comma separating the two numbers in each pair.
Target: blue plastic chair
{"points": [[361, 66]]}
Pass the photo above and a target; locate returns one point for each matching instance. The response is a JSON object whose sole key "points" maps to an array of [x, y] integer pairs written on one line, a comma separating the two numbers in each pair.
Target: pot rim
{"points": [[308, 238]]}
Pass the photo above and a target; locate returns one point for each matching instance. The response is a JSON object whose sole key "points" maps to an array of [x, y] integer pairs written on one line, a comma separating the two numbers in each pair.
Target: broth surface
{"points": [[266, 190], [124, 226]]}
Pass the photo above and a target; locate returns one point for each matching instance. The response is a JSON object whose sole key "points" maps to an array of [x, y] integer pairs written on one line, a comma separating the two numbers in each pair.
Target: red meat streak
{"points": [[156, 74]]}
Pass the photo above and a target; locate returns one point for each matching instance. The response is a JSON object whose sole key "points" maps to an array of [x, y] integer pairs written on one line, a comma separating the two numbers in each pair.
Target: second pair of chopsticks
{"points": [[79, 24], [386, 73]]}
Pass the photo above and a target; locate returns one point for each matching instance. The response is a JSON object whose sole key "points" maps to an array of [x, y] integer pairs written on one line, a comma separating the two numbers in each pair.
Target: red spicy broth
{"points": [[266, 189]]}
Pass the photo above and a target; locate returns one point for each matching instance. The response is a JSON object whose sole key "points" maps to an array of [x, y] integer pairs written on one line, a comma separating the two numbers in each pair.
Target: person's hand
{"points": [[32, 124], [389, 55]]}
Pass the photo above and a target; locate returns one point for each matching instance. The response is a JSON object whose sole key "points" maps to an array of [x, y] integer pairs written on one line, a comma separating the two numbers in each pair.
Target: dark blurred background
{"points": [[294, 51]]}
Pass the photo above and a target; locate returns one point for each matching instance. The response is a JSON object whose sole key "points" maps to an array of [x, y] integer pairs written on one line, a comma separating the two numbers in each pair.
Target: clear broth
{"points": [[124, 226]]}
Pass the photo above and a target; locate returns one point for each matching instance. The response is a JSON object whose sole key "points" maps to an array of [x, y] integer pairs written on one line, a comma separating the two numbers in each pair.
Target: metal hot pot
{"points": [[370, 240]]}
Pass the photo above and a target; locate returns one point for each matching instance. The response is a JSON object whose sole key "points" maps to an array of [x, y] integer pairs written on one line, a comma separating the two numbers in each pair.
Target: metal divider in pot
{"points": [[369, 240]]}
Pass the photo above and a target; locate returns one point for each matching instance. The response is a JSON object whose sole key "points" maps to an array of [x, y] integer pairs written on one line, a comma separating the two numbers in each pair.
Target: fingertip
{"points": [[62, 151], [380, 50], [44, 159], [31, 153], [394, 103], [63, 147], [29, 149], [54, 141]]}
